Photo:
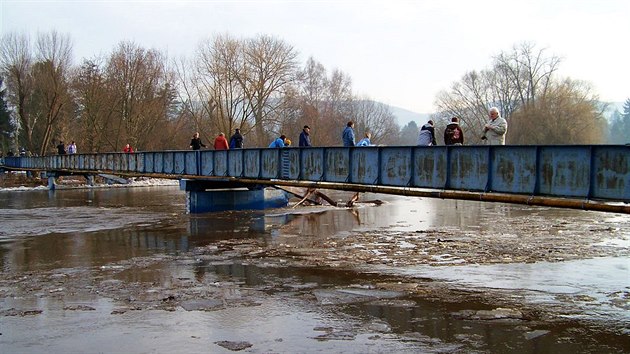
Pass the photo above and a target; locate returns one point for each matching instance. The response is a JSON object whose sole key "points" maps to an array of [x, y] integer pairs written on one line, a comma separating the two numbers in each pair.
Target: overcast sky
{"points": [[398, 52]]}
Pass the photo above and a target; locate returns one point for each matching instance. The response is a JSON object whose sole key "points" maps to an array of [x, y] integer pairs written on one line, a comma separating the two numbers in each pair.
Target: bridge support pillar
{"points": [[52, 180], [89, 180], [204, 196]]}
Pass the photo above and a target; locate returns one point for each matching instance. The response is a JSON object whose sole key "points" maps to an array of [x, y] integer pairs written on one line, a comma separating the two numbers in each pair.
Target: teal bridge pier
{"points": [[589, 177]]}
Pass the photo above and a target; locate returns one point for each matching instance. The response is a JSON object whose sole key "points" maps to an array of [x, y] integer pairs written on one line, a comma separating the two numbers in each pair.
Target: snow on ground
{"points": [[133, 182]]}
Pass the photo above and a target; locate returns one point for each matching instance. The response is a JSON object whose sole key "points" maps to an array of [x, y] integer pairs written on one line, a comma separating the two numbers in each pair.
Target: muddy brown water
{"points": [[126, 270]]}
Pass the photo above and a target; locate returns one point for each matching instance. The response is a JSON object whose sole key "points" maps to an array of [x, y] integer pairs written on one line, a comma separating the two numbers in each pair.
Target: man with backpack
{"points": [[236, 141], [453, 134]]}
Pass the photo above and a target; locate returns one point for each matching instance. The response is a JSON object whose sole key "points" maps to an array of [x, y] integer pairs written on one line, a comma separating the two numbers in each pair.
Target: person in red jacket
{"points": [[221, 143], [128, 149]]}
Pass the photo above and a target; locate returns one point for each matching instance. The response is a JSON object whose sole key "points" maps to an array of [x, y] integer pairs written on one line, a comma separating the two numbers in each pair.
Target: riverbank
{"points": [[19, 179]]}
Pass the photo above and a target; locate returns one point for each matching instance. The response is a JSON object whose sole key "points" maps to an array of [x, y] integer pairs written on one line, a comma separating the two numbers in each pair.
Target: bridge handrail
{"points": [[576, 171]]}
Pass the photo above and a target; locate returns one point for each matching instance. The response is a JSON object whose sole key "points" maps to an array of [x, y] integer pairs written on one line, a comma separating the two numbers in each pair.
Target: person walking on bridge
{"points": [[348, 134], [61, 148], [195, 142], [236, 141], [72, 148], [496, 129], [305, 137], [221, 143]]}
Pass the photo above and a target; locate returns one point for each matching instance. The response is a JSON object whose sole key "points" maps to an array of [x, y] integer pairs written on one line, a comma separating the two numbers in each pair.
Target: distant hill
{"points": [[405, 116]]}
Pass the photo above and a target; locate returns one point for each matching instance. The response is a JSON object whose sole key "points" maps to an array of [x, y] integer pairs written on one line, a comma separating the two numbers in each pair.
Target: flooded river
{"points": [[127, 270]]}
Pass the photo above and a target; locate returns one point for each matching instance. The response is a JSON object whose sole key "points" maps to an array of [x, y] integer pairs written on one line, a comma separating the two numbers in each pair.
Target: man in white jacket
{"points": [[495, 130]]}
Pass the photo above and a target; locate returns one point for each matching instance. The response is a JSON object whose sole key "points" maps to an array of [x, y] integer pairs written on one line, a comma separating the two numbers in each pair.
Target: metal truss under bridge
{"points": [[591, 177]]}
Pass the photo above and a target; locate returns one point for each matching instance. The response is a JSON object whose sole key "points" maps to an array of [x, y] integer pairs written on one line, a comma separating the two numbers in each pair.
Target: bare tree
{"points": [[52, 96], [95, 106], [338, 108], [528, 70], [568, 113], [143, 87], [520, 79], [468, 99], [16, 59], [312, 83], [217, 87], [375, 118], [270, 67]]}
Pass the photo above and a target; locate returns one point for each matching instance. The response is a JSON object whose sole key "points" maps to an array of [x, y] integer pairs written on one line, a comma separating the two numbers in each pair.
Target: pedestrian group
{"points": [[493, 134]]}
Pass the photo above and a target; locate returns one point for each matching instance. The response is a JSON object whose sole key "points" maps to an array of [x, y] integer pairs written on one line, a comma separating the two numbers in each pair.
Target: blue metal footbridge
{"points": [[590, 177]]}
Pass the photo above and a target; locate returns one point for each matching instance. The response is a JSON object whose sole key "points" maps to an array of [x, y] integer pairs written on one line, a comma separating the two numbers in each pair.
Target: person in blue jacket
{"points": [[365, 141], [348, 134], [279, 142]]}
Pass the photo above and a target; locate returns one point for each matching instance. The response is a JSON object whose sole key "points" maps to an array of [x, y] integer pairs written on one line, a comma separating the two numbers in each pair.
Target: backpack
{"points": [[456, 134]]}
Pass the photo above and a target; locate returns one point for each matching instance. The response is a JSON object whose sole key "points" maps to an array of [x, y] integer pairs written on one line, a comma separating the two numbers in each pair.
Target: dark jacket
{"points": [[430, 131], [61, 149], [305, 139], [236, 141], [453, 134], [196, 143]]}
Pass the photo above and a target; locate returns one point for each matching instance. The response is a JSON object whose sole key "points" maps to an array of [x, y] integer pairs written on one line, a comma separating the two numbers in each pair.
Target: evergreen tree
{"points": [[619, 132], [625, 127], [409, 134]]}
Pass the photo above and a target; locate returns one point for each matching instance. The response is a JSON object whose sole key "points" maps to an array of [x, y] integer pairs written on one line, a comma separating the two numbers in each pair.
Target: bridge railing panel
{"points": [[139, 157], [251, 163], [611, 172], [190, 161], [118, 162], [64, 161], [429, 167], [235, 162], [42, 162], [564, 170], [149, 162], [312, 164], [290, 166], [220, 163], [133, 162], [179, 162], [269, 163], [468, 168], [337, 164], [207, 163], [168, 166], [71, 161], [395, 166], [93, 158], [365, 165], [81, 162], [158, 163], [514, 170], [102, 162]]}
